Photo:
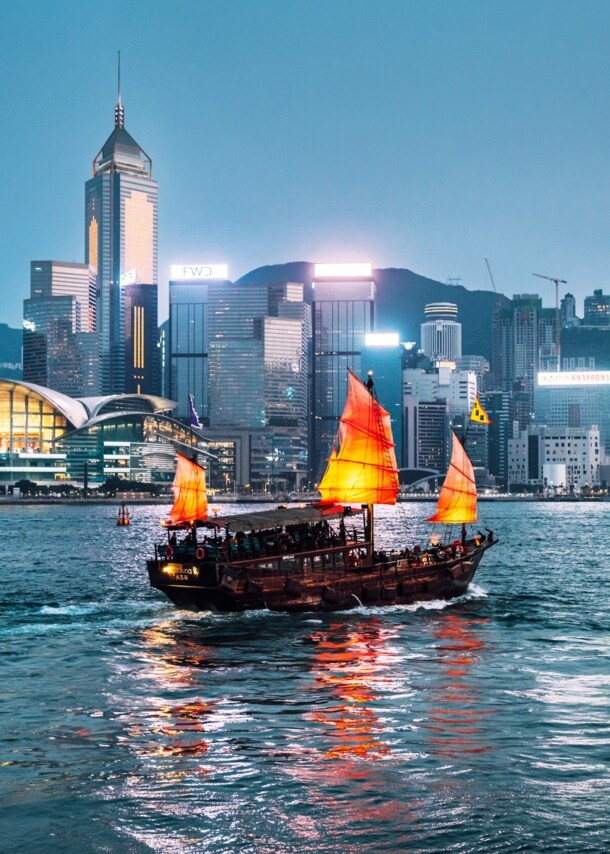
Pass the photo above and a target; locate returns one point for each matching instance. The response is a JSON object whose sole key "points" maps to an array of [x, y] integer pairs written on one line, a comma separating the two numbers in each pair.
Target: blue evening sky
{"points": [[425, 134]]}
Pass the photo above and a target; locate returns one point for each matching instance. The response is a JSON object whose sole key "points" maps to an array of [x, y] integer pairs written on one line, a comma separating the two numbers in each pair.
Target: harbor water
{"points": [[480, 725]]}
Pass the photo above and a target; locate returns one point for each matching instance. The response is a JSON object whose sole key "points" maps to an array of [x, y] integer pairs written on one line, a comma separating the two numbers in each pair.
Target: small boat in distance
{"points": [[322, 556], [123, 516]]}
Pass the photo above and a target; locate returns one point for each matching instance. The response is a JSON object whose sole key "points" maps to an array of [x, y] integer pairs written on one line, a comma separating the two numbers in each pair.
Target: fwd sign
{"points": [[198, 271]]}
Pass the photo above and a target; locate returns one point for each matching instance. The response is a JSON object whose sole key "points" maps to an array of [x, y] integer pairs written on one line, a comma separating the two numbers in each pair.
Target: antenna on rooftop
{"points": [[119, 110]]}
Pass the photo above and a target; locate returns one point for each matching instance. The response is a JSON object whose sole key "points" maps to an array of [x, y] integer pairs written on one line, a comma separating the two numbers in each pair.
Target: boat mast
{"points": [[371, 507]]}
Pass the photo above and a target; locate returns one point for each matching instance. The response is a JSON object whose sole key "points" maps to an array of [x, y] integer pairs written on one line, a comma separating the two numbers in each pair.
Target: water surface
{"points": [[479, 725]]}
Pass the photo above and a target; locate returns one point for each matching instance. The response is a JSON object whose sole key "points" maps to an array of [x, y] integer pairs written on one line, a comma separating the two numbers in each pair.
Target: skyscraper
{"points": [[120, 242], [441, 334], [189, 334], [257, 348], [58, 319], [343, 312]]}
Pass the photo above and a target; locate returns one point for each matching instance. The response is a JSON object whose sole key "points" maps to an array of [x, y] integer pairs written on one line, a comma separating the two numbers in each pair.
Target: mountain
{"points": [[11, 341], [401, 297]]}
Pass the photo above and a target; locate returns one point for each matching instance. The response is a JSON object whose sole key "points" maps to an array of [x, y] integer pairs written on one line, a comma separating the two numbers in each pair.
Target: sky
{"points": [[425, 134]]}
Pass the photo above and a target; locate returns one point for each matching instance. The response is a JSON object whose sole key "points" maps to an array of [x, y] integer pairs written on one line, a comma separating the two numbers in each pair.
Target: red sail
{"points": [[190, 498], [457, 502], [362, 470]]}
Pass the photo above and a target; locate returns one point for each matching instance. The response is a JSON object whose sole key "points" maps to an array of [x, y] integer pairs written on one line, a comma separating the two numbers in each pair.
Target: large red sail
{"points": [[362, 470], [457, 502], [190, 497]]}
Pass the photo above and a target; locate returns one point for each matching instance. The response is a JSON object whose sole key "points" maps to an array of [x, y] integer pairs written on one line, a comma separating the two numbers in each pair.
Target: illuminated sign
{"points": [[29, 325], [343, 271], [382, 339], [573, 378], [128, 278], [199, 271]]}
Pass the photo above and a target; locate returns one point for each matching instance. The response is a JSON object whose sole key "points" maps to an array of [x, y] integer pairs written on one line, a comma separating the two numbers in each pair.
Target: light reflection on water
{"points": [[480, 725]]}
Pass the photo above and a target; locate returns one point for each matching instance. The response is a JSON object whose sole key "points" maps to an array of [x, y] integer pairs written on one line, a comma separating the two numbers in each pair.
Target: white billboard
{"points": [[180, 272], [573, 378]]}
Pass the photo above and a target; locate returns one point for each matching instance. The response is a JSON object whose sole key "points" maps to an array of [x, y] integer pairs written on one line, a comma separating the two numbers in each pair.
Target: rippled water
{"points": [[480, 725]]}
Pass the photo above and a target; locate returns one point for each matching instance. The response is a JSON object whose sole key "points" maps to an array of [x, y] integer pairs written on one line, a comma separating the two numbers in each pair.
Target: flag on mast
{"points": [[478, 414], [195, 422]]}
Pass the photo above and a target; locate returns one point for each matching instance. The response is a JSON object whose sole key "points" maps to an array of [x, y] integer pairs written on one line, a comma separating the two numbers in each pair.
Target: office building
{"points": [[188, 337], [343, 313], [441, 334], [540, 453], [58, 327], [597, 309], [521, 333], [141, 350], [382, 357], [497, 406], [258, 344], [575, 399], [120, 244]]}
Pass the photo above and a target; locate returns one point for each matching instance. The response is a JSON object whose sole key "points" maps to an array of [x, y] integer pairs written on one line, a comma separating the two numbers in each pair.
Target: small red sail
{"points": [[190, 497], [362, 469], [457, 502]]}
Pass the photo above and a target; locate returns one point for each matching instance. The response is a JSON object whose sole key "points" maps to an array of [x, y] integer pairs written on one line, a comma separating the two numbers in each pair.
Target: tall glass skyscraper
{"points": [[343, 312], [120, 241], [58, 323], [189, 335], [258, 336]]}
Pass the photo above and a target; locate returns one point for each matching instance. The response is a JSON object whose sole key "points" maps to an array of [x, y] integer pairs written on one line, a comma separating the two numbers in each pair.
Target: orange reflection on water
{"points": [[456, 714], [346, 665]]}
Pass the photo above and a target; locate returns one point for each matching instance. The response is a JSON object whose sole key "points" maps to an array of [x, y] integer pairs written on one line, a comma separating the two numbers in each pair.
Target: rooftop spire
{"points": [[119, 110]]}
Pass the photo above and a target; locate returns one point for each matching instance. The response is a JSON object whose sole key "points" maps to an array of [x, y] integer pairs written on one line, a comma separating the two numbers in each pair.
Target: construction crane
{"points": [[557, 283], [491, 278]]}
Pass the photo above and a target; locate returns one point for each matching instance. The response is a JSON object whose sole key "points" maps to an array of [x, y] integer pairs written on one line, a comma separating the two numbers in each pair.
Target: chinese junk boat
{"points": [[123, 516], [319, 557]]}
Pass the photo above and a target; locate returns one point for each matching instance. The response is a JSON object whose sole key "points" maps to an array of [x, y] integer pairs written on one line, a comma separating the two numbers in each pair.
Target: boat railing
{"points": [[327, 559]]}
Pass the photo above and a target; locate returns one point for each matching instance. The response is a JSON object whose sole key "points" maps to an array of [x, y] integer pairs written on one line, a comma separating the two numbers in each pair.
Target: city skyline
{"points": [[420, 136]]}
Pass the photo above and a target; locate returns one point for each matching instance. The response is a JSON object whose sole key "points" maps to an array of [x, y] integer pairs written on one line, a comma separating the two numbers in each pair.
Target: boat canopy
{"points": [[190, 498], [457, 502], [362, 469], [276, 518]]}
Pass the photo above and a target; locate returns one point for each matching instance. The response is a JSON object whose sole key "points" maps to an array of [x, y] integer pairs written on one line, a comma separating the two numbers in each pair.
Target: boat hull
{"points": [[210, 586]]}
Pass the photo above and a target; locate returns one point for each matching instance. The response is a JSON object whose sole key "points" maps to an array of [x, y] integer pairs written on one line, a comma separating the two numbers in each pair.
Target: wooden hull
{"points": [[293, 585]]}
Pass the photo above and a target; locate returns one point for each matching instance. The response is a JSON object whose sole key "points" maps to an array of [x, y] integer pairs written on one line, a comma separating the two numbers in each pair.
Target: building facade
{"points": [[540, 449], [441, 334], [343, 314], [58, 328], [258, 379], [47, 437], [120, 241], [188, 338]]}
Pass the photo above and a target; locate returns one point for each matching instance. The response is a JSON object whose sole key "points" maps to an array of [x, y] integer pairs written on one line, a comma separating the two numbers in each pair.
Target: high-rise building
{"points": [[189, 335], [120, 242], [58, 323], [382, 357], [497, 406], [441, 334], [343, 313], [567, 312], [522, 334], [597, 309], [258, 339], [141, 350]]}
